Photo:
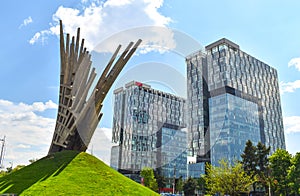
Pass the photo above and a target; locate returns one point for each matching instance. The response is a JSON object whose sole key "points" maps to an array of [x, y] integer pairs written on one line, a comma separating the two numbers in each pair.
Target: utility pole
{"points": [[174, 179], [2, 152]]}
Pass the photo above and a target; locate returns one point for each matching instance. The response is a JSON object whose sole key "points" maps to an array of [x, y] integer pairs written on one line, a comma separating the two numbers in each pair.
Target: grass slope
{"points": [[70, 173]]}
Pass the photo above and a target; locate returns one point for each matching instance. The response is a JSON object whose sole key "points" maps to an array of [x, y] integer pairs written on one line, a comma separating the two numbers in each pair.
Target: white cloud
{"points": [[28, 135], [289, 87], [116, 3], [40, 36], [23, 146], [291, 124], [154, 38], [295, 62], [98, 21], [22, 108], [26, 22], [35, 38], [152, 11]]}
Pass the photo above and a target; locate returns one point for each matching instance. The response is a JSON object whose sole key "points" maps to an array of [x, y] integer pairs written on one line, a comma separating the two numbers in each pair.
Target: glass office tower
{"points": [[232, 97], [233, 121], [148, 130]]}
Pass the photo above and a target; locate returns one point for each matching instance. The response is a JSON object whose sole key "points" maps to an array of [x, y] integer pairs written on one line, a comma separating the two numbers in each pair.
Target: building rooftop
{"points": [[222, 41], [147, 88]]}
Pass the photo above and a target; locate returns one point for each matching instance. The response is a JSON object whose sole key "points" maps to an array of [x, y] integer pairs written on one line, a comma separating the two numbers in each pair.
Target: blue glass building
{"points": [[196, 170], [233, 120], [232, 97], [148, 130], [173, 153]]}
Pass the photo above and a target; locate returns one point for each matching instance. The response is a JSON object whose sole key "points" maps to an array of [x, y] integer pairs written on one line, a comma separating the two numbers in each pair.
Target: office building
{"points": [[148, 130], [232, 97], [196, 170]]}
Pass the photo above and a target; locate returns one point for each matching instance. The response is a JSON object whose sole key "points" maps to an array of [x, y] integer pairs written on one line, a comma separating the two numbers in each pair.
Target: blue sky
{"points": [[29, 76]]}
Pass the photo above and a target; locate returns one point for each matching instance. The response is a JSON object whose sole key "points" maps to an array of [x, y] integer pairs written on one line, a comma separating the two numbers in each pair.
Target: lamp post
{"points": [[174, 177], [269, 179]]}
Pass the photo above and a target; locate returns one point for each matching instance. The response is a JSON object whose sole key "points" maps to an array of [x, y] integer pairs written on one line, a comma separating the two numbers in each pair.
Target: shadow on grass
{"points": [[38, 171]]}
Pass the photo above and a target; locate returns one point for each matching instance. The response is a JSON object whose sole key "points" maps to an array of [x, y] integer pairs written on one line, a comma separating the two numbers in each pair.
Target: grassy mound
{"points": [[70, 173]]}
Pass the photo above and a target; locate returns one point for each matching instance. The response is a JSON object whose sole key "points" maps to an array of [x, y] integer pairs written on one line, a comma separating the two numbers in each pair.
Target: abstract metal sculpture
{"points": [[79, 107]]}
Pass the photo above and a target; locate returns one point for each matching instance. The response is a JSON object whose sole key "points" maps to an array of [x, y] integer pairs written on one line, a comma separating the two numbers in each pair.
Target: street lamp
{"points": [[174, 179]]}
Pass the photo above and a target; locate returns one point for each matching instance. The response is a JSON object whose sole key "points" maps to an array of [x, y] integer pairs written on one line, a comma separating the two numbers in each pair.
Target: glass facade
{"points": [[197, 107], [196, 170], [224, 69], [173, 153], [114, 157], [148, 130], [233, 121]]}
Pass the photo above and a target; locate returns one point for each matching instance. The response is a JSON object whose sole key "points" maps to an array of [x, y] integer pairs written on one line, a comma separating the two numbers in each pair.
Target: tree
{"points": [[262, 153], [179, 184], [2, 173], [32, 160], [249, 159], [294, 174], [18, 167], [255, 162], [10, 170], [201, 185], [189, 186], [226, 179], [149, 179], [280, 162], [160, 179]]}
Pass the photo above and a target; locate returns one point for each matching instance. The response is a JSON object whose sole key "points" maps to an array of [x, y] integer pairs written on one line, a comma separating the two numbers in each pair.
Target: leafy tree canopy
{"points": [[226, 179], [149, 179], [294, 174], [190, 186], [280, 162], [255, 163]]}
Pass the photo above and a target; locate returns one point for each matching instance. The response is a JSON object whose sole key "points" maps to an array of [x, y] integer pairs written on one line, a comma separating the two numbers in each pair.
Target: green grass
{"points": [[70, 173]]}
